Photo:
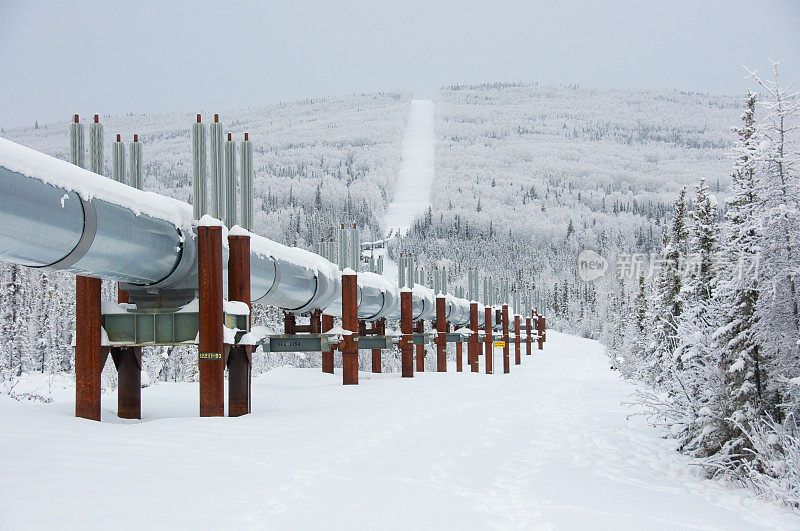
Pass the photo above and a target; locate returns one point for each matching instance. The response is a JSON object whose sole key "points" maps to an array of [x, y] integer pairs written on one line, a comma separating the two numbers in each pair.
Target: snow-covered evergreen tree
{"points": [[737, 291], [669, 298], [778, 218], [697, 371]]}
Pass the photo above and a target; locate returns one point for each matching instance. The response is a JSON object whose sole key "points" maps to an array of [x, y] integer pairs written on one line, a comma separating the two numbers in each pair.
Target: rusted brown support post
{"points": [[327, 355], [517, 332], [441, 336], [379, 328], [528, 333], [459, 356], [315, 321], [88, 358], [489, 353], [128, 361], [406, 339], [239, 358], [350, 323], [122, 295], [541, 331], [420, 328], [506, 361], [211, 363], [472, 346], [289, 323]]}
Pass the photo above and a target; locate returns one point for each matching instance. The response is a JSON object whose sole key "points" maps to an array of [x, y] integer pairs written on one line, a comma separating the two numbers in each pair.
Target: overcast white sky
{"points": [[104, 56]]}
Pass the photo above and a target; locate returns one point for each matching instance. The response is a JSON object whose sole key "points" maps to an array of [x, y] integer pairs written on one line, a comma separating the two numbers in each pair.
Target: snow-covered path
{"points": [[548, 446], [412, 193]]}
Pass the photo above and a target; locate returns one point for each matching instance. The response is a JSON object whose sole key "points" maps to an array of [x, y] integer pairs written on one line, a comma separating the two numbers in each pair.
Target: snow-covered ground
{"points": [[547, 446]]}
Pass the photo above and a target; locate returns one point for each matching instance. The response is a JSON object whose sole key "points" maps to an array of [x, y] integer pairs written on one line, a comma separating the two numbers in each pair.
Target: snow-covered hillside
{"points": [[548, 446], [542, 172]]}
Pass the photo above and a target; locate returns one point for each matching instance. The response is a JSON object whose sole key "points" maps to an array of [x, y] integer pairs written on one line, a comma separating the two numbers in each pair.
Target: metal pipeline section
{"points": [[62, 227], [377, 298], [61, 217]]}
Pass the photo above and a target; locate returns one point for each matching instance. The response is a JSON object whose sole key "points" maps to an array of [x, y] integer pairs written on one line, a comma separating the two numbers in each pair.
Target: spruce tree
{"points": [[669, 302], [737, 291], [778, 216], [697, 373]]}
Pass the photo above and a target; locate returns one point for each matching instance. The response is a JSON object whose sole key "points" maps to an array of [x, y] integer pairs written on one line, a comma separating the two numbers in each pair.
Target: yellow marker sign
{"points": [[499, 344]]}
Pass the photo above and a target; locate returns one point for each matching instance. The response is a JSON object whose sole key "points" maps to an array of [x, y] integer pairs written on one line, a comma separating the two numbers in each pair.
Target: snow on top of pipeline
{"points": [[374, 280], [294, 255], [88, 185], [423, 292]]}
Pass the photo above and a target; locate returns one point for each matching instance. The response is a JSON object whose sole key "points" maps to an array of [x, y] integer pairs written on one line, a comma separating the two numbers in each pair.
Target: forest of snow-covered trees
{"points": [[716, 334], [542, 172]]}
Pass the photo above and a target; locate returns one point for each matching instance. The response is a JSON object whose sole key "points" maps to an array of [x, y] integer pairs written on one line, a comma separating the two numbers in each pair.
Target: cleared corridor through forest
{"points": [[412, 191]]}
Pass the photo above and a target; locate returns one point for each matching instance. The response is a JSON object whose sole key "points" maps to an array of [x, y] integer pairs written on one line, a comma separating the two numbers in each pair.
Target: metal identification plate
{"points": [[210, 355], [499, 344]]}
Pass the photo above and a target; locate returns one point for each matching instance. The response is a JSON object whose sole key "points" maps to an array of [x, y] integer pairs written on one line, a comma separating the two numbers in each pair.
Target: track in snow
{"points": [[547, 446]]}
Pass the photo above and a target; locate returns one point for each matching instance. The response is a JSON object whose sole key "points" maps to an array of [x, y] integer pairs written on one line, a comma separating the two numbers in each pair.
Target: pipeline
{"points": [[60, 217]]}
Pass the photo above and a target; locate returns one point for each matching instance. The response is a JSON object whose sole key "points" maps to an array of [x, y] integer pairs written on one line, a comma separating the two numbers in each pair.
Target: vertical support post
{"points": [[489, 353], [217, 170], [135, 159], [506, 361], [406, 338], [246, 182], [541, 332], [380, 329], [88, 357], [528, 334], [118, 174], [472, 346], [128, 361], [350, 323], [441, 337], [315, 322], [239, 357], [118, 160], [289, 323], [327, 355], [199, 179], [211, 364], [230, 182], [420, 348], [96, 146], [341, 244], [355, 248], [517, 332], [459, 356], [76, 142]]}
